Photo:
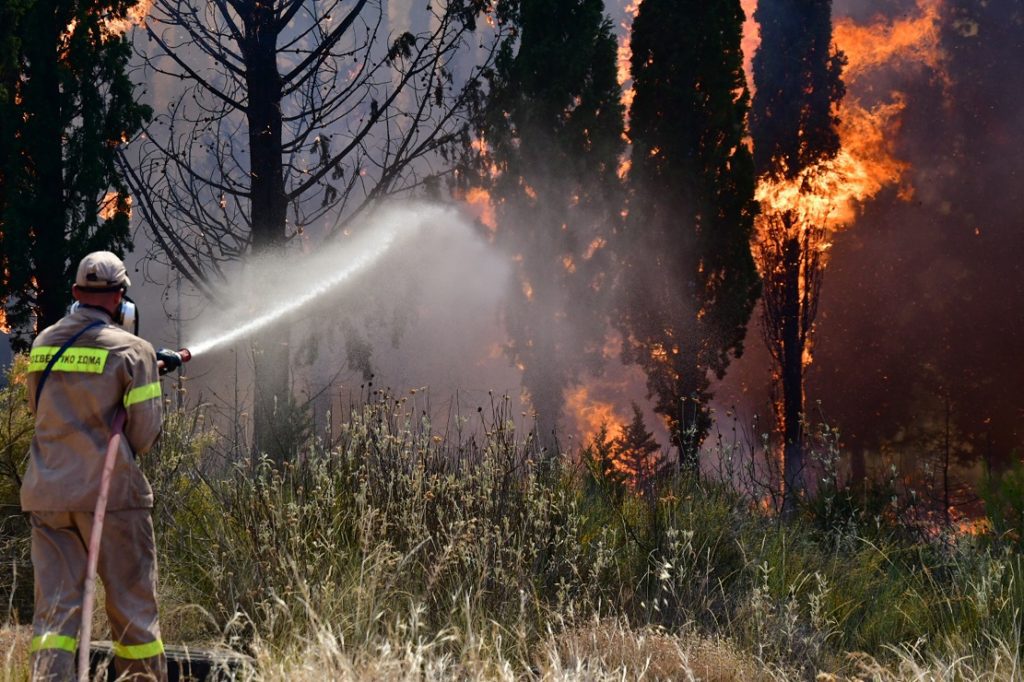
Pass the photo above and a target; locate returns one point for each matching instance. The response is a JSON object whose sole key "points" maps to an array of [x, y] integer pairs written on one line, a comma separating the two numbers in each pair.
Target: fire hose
{"points": [[100, 512]]}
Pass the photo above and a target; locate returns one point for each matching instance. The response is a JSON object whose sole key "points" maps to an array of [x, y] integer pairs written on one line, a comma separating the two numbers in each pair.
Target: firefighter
{"points": [[82, 370]]}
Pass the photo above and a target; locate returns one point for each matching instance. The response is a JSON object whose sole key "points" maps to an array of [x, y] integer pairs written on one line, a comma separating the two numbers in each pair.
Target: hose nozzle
{"points": [[170, 360]]}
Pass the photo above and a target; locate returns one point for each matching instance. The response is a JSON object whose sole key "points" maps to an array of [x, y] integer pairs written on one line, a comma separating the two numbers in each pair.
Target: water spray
{"points": [[278, 287]]}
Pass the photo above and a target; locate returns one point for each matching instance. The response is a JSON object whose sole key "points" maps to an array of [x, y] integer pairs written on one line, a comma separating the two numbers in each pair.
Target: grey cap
{"points": [[102, 271]]}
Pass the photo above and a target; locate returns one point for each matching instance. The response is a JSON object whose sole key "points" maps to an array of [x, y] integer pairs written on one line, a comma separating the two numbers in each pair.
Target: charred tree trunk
{"points": [[268, 214], [792, 372], [858, 467], [47, 129]]}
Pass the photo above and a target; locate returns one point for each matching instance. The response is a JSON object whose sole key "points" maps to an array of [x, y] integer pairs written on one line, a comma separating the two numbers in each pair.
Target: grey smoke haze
{"points": [[423, 314]]}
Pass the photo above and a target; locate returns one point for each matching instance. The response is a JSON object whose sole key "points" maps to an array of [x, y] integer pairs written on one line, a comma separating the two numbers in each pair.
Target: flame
{"points": [[136, 16], [590, 414], [479, 200], [751, 41], [624, 53], [829, 193], [109, 206], [909, 40], [527, 290], [5, 328], [112, 27], [596, 245]]}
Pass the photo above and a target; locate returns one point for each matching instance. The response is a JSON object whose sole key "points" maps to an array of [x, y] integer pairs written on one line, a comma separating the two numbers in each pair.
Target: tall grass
{"points": [[391, 552]]}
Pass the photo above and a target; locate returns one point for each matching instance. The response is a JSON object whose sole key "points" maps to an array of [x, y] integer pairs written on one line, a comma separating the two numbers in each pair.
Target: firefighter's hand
{"points": [[168, 360]]}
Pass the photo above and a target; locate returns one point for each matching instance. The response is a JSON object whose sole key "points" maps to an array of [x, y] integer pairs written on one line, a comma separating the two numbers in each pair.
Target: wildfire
{"points": [[829, 194], [910, 40], [479, 201], [5, 328], [590, 414], [751, 40], [110, 206], [625, 52], [136, 16], [112, 26]]}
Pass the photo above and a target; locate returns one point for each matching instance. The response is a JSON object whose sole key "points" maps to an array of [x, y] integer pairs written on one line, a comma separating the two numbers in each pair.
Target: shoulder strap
{"points": [[56, 356]]}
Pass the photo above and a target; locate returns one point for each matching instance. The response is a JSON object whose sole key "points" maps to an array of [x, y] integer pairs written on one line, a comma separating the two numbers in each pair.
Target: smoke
{"points": [[407, 300]]}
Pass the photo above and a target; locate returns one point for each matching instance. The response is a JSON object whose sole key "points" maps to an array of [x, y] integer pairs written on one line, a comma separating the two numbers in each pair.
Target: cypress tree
{"points": [[553, 122], [797, 73], [72, 105], [688, 279]]}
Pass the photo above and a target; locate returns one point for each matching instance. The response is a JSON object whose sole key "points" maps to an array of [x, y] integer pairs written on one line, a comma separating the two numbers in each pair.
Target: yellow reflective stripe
{"points": [[142, 394], [136, 652], [51, 640], [88, 360]]}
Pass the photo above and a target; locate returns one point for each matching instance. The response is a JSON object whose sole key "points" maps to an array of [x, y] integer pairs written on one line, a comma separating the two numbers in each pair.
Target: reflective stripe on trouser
{"points": [[127, 567]]}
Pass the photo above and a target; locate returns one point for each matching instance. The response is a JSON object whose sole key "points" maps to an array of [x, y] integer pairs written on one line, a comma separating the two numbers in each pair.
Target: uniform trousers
{"points": [[127, 567]]}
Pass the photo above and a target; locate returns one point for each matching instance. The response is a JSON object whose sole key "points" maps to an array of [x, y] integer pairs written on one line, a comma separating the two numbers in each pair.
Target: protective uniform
{"points": [[106, 369]]}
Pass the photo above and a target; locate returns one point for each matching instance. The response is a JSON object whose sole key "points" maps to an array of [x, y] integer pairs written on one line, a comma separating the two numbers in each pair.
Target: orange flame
{"points": [[909, 40], [5, 328], [625, 53], [828, 195], [589, 414], [136, 16], [479, 201], [751, 40], [109, 206]]}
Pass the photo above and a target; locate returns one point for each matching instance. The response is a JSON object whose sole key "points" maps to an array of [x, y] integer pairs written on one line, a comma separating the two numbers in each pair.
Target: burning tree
{"points": [[552, 126], [688, 280], [290, 115], [66, 107], [796, 139], [638, 455]]}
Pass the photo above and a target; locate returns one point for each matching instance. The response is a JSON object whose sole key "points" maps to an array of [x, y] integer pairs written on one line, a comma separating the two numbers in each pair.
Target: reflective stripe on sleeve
{"points": [[137, 652], [142, 394], [51, 640], [88, 360]]}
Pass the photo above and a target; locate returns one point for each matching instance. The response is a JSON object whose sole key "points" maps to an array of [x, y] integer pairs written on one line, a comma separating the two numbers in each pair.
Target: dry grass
{"points": [[612, 651], [14, 643], [605, 651]]}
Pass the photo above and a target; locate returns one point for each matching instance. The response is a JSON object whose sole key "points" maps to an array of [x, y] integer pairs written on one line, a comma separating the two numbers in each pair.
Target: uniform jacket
{"points": [[106, 369]]}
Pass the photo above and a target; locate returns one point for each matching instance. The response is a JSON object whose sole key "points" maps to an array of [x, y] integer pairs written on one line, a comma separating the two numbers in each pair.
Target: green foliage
{"points": [[553, 126], [688, 280], [16, 425], [1003, 494], [798, 85], [394, 533], [599, 457], [71, 107]]}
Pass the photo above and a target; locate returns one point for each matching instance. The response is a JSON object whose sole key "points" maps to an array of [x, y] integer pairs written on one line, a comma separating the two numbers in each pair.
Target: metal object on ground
{"points": [[184, 664]]}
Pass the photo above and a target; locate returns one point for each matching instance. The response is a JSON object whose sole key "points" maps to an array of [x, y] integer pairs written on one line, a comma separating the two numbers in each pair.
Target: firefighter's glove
{"points": [[168, 360]]}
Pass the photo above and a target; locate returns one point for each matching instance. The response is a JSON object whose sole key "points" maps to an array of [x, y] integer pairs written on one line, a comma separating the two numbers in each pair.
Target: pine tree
{"points": [[601, 459], [638, 453], [553, 123], [688, 280], [72, 105]]}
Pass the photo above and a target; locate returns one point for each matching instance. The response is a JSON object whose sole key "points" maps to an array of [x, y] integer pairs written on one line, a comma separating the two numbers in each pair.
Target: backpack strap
{"points": [[56, 356]]}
